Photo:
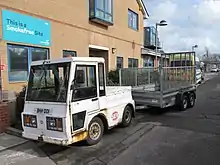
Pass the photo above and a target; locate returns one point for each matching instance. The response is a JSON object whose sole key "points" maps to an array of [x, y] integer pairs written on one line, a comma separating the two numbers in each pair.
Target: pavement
{"points": [[18, 151], [183, 138]]}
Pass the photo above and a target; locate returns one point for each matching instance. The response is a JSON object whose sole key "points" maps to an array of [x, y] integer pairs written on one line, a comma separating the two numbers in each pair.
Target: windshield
{"points": [[197, 65], [48, 82]]}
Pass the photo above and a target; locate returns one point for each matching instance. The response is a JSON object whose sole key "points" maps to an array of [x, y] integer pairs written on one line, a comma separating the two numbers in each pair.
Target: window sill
{"points": [[101, 21], [133, 29], [15, 82]]}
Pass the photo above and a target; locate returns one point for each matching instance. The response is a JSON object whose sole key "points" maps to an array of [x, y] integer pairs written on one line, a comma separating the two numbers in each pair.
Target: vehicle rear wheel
{"points": [[95, 131], [127, 116], [191, 100]]}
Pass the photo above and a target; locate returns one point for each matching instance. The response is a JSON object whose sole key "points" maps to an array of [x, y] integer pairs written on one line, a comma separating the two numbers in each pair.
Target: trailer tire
{"points": [[184, 104], [95, 131], [127, 116], [192, 100]]}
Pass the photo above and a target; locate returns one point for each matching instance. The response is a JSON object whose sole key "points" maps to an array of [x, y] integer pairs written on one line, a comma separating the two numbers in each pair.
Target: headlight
{"points": [[30, 121], [54, 124]]}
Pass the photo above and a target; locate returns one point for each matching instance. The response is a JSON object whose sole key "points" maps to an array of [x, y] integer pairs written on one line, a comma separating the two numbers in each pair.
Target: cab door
{"points": [[84, 101]]}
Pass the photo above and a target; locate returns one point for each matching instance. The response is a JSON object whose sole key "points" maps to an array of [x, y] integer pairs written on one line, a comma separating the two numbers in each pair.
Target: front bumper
{"points": [[58, 141], [42, 138]]}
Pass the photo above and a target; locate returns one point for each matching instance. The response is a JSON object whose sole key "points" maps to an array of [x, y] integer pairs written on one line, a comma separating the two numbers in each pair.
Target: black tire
{"points": [[191, 100], [127, 116], [97, 124], [184, 103]]}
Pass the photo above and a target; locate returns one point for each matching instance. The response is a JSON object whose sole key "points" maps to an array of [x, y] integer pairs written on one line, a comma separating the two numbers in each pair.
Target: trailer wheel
{"points": [[192, 100], [184, 103], [95, 131], [127, 116]]}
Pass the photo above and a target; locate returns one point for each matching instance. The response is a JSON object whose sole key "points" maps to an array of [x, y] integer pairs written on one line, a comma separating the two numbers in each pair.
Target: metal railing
{"points": [[157, 79]]}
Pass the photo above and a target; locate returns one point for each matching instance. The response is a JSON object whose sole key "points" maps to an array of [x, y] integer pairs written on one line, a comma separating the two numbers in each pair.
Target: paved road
{"points": [[190, 137]]}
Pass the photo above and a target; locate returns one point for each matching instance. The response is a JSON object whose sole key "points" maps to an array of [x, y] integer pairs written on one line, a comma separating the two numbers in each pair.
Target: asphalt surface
{"points": [[191, 137], [187, 138]]}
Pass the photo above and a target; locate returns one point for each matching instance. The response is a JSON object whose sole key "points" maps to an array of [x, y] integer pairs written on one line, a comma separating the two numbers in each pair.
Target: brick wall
{"points": [[4, 116]]}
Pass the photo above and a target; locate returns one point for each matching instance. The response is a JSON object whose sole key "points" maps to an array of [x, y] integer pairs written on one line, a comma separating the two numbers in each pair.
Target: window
{"points": [[101, 11], [85, 86], [132, 19], [148, 62], [119, 62], [48, 82], [68, 53], [132, 63], [39, 54], [20, 58], [101, 80]]}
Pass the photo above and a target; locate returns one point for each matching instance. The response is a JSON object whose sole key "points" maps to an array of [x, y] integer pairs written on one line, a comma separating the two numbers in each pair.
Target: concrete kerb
{"points": [[14, 131]]}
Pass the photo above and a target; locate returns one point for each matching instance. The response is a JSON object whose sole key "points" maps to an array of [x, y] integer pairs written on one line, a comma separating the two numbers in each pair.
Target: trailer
{"points": [[173, 83]]}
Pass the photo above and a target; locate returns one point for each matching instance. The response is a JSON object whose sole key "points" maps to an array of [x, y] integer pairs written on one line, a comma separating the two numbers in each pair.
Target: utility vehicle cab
{"points": [[67, 101]]}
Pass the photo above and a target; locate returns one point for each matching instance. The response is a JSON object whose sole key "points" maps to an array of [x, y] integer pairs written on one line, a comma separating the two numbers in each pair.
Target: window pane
{"points": [[130, 63], [108, 18], [119, 62], [91, 7], [91, 82], [108, 6], [18, 63], [129, 18], [85, 86], [148, 62], [101, 80], [100, 14], [135, 63], [48, 87], [100, 4], [39, 54], [69, 53], [134, 21]]}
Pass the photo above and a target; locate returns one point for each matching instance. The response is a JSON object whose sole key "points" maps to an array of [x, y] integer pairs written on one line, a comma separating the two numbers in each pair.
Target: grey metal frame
{"points": [[155, 86]]}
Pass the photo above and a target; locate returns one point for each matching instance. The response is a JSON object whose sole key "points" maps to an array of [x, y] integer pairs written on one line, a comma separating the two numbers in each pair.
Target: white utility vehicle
{"points": [[199, 74], [67, 101]]}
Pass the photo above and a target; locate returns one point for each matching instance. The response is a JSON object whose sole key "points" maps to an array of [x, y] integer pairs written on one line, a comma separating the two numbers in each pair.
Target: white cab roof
{"points": [[197, 59], [70, 59]]}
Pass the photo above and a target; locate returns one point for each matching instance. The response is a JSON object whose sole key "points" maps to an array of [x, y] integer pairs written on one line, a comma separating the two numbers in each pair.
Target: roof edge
{"points": [[143, 8]]}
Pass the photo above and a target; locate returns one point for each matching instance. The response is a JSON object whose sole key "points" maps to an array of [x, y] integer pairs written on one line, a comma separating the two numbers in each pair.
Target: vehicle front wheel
{"points": [[127, 116], [95, 131], [184, 103]]}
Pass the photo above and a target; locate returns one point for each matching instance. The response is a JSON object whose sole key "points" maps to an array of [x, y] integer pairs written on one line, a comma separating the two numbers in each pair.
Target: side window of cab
{"points": [[84, 85]]}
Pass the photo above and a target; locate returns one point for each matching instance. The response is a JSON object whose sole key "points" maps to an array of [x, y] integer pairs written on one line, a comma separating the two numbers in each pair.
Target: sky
{"points": [[190, 22]]}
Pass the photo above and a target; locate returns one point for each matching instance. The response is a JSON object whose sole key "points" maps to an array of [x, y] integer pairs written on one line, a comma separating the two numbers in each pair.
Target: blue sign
{"points": [[25, 29]]}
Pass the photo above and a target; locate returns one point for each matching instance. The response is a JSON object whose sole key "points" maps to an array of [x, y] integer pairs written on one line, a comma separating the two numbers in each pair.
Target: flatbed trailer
{"points": [[164, 86]]}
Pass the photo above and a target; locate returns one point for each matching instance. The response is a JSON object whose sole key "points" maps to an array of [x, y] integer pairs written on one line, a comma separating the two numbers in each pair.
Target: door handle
{"points": [[94, 99]]}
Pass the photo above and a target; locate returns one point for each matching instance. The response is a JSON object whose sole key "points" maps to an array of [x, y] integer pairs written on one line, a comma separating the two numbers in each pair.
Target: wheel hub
{"points": [[127, 116], [191, 100], [185, 103], [94, 131]]}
